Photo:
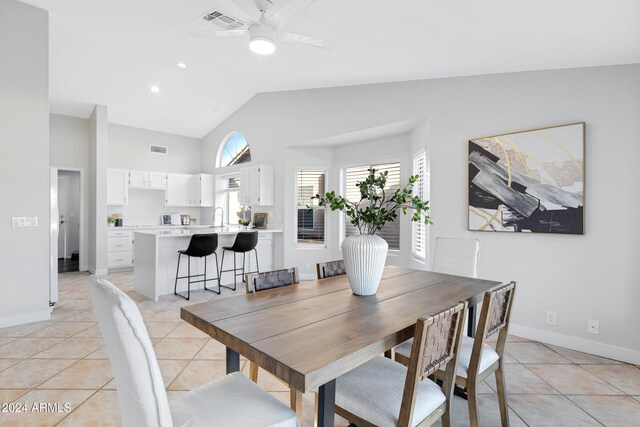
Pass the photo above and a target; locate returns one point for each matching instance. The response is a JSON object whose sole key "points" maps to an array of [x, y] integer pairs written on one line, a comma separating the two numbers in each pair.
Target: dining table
{"points": [[311, 333]]}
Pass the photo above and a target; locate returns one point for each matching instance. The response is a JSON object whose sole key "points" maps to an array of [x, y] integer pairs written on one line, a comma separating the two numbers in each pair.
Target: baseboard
{"points": [[578, 344], [22, 319]]}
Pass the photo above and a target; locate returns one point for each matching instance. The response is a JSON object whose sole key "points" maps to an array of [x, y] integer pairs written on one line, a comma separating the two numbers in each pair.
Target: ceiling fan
{"points": [[262, 20]]}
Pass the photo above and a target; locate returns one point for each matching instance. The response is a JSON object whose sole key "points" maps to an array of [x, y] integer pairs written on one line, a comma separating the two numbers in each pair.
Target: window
{"points": [[234, 150], [350, 176], [236, 211], [311, 222], [419, 229]]}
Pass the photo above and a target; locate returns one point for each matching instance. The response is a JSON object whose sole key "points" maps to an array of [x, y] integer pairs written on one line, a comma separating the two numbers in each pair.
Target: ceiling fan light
{"points": [[262, 46]]}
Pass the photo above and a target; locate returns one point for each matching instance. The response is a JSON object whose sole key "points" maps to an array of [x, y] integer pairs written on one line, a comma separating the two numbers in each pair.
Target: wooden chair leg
{"points": [[295, 397], [253, 372], [502, 395], [472, 401]]}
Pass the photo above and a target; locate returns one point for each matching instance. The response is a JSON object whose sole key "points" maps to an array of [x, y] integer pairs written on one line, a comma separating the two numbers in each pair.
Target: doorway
{"points": [[69, 206]]}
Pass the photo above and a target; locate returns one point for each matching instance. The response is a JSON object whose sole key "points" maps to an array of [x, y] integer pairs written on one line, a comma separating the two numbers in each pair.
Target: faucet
{"points": [[213, 216]]}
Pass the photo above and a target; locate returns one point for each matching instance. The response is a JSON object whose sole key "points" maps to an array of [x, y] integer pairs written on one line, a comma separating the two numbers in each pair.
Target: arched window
{"points": [[234, 150]]}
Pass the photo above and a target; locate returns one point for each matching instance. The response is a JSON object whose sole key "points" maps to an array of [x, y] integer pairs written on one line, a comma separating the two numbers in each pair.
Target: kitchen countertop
{"points": [[149, 227], [226, 230]]}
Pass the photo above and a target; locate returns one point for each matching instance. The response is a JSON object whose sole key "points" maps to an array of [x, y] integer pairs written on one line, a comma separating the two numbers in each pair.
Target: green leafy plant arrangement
{"points": [[376, 208], [111, 220]]}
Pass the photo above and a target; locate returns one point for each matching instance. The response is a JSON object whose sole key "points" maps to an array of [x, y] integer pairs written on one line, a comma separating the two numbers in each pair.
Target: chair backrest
{"points": [[256, 282], [245, 241], [141, 393], [436, 346], [330, 269], [495, 316], [202, 245], [456, 256]]}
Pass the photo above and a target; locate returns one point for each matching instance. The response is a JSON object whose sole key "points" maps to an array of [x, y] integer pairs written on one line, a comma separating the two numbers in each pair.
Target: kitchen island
{"points": [[156, 258]]}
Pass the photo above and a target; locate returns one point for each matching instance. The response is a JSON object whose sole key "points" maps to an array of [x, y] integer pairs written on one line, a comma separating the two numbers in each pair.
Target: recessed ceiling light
{"points": [[182, 65], [155, 89]]}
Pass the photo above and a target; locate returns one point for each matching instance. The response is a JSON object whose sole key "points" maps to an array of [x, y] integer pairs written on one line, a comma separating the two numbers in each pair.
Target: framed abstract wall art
{"points": [[531, 181]]}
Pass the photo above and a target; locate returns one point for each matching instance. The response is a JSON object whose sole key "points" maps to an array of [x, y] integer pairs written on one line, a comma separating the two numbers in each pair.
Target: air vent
{"points": [[225, 21], [158, 149]]}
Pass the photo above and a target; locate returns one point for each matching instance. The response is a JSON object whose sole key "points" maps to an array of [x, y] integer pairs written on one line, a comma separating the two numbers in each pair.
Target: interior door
{"points": [[63, 215]]}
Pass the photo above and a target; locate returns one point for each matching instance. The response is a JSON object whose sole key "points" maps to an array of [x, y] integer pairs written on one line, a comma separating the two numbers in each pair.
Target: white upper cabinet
{"points": [[156, 180], [256, 185], [137, 179], [151, 180], [117, 187], [179, 190], [203, 190]]}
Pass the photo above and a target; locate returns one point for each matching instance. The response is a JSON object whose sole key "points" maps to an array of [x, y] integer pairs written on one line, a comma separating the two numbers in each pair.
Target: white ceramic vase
{"points": [[364, 259]]}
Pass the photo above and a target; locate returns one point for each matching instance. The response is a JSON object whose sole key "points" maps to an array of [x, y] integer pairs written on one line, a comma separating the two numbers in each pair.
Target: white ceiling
{"points": [[111, 52]]}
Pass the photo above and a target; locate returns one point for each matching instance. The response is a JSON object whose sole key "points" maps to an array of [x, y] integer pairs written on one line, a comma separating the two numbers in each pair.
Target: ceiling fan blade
{"points": [[300, 38], [220, 33], [283, 13]]}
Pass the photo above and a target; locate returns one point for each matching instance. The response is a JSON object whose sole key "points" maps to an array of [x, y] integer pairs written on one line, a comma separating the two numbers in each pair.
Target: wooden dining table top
{"points": [[311, 333]]}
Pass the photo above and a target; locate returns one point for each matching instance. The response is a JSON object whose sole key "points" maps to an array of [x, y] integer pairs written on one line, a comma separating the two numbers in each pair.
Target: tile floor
{"points": [[63, 361]]}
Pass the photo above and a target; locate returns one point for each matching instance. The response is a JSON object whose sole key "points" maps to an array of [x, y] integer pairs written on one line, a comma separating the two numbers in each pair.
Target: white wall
{"points": [[129, 148], [98, 148], [579, 277], [69, 141], [24, 162]]}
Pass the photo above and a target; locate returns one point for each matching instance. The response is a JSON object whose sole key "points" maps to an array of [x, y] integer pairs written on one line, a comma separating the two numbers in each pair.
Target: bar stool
{"points": [[200, 246], [246, 241]]}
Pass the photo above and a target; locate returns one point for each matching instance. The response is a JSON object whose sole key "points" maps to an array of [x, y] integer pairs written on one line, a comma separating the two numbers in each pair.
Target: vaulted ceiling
{"points": [[112, 52]]}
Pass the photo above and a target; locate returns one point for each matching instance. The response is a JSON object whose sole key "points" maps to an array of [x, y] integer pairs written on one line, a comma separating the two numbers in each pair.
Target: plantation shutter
{"points": [[311, 222], [419, 229], [391, 231]]}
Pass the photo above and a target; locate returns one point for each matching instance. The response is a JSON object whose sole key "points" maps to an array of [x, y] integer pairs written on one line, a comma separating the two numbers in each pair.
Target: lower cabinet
{"points": [[265, 253], [120, 248]]}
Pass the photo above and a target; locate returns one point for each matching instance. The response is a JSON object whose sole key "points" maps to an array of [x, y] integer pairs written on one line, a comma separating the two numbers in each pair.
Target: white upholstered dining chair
{"points": [[230, 400], [456, 256]]}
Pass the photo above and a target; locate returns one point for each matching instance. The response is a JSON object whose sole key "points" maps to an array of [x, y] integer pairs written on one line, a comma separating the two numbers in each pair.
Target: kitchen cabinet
{"points": [[179, 191], [117, 187], [189, 190], [256, 185], [148, 180], [202, 188], [119, 249], [265, 254], [156, 181]]}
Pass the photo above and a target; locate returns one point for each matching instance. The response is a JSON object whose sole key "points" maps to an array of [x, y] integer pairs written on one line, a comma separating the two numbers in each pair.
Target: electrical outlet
{"points": [[593, 326], [551, 317]]}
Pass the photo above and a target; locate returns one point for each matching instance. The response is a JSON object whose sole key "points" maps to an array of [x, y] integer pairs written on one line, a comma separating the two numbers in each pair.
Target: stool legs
{"points": [[217, 272], [189, 276], [236, 268], [175, 287]]}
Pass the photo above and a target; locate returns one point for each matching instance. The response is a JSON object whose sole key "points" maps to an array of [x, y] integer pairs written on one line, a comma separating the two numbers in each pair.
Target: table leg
{"points": [[233, 361], [471, 332], [471, 326], [326, 404]]}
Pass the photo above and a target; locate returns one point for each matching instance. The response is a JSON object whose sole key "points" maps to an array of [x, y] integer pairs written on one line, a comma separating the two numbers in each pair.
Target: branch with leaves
{"points": [[376, 208]]}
